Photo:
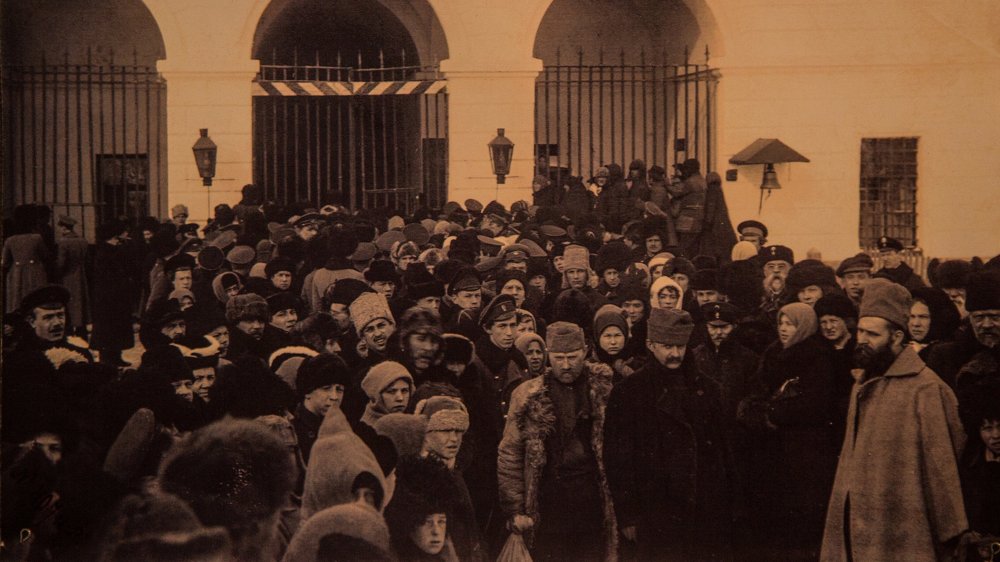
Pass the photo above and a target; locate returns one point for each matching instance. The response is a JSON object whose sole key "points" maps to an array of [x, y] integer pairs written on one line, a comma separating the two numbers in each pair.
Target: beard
{"points": [[874, 361]]}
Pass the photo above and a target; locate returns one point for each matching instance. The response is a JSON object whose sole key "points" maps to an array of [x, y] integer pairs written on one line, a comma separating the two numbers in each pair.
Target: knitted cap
{"points": [[563, 337], [524, 340], [382, 375], [367, 308], [669, 326], [609, 315], [888, 300]]}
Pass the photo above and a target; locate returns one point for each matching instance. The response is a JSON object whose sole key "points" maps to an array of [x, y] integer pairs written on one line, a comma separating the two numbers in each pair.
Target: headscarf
{"points": [[743, 250], [945, 318], [803, 317], [524, 340], [661, 283]]}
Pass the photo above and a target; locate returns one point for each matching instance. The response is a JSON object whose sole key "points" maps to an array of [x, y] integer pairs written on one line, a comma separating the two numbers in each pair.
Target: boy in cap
{"points": [[320, 383], [576, 275], [853, 273], [279, 272], [647, 450], [383, 278], [897, 483], [570, 516], [504, 364]]}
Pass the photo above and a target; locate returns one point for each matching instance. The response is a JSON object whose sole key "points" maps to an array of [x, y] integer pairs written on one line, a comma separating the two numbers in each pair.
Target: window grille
{"points": [[888, 190]]}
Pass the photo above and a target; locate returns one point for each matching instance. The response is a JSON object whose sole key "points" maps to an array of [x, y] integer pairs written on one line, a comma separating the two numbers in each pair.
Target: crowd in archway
{"points": [[610, 371]]}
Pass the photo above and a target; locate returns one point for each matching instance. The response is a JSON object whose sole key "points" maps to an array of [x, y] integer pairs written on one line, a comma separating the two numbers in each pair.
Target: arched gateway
{"points": [[349, 104]]}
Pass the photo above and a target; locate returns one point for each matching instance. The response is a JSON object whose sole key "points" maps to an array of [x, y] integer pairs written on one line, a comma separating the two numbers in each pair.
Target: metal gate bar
{"points": [[324, 110], [56, 153], [658, 112]]}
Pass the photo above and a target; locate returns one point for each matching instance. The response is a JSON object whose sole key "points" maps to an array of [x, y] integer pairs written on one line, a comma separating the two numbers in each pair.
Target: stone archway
{"points": [[86, 109], [349, 103], [624, 81]]}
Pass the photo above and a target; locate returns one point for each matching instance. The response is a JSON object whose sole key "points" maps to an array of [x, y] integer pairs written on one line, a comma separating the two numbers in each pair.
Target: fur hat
{"points": [[381, 376], [613, 255], [576, 257], [418, 320], [458, 349], [835, 304], [982, 291], [382, 270], [609, 315], [367, 308], [286, 361], [246, 307], [321, 370], [160, 528], [563, 337], [334, 528], [345, 291], [884, 299], [424, 486], [277, 265], [669, 326], [233, 473], [807, 273], [420, 283], [680, 265], [443, 413], [405, 430], [282, 300], [705, 280], [951, 274]]}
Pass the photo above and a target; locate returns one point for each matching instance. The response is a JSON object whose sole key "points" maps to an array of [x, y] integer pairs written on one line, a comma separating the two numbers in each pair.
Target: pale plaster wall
{"points": [[820, 76]]}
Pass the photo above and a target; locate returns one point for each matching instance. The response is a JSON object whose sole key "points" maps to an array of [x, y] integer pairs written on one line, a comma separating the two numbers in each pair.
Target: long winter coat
{"points": [[899, 466], [668, 465], [523, 455], [113, 294], [70, 264], [24, 260], [718, 238]]}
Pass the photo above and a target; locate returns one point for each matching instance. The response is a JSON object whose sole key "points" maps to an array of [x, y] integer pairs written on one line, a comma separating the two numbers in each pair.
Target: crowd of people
{"points": [[608, 372]]}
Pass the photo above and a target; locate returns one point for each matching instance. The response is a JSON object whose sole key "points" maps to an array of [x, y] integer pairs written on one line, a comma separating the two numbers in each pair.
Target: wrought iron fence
{"points": [[589, 115], [87, 139]]}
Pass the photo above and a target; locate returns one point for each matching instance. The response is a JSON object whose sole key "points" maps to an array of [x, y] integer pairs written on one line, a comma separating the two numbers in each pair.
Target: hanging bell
{"points": [[770, 178]]}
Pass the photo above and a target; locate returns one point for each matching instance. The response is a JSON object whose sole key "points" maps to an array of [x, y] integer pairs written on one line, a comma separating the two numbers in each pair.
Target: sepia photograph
{"points": [[500, 281]]}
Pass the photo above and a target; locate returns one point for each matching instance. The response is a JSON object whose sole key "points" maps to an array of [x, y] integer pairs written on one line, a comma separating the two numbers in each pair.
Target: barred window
{"points": [[888, 190]]}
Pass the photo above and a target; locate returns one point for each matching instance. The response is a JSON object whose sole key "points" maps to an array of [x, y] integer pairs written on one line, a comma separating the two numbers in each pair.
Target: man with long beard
{"points": [[897, 486]]}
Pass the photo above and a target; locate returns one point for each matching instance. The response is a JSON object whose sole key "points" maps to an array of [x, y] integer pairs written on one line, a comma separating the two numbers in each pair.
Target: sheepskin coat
{"points": [[898, 468], [522, 453]]}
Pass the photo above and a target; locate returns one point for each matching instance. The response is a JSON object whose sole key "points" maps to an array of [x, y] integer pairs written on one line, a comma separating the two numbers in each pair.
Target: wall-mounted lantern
{"points": [[205, 153], [501, 153]]}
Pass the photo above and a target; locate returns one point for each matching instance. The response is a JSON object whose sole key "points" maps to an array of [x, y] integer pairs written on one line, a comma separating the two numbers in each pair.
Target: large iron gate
{"points": [[589, 115], [87, 139], [372, 137]]}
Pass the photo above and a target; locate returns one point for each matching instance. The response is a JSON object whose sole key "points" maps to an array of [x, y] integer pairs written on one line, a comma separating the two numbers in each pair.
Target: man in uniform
{"points": [[893, 266], [754, 232]]}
